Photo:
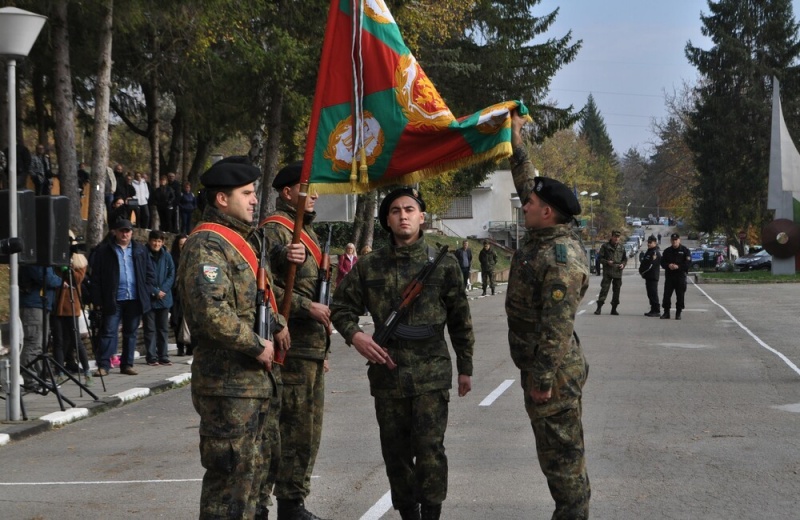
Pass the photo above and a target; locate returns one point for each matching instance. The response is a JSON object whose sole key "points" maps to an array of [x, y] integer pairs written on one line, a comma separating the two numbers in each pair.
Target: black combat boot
{"points": [[677, 315], [665, 316], [599, 306], [294, 509], [654, 313], [484, 293], [410, 513], [492, 291], [431, 512], [614, 310]]}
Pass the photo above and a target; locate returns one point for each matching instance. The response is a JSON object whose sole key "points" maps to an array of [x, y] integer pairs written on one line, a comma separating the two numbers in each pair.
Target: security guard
{"points": [[613, 258], [676, 261], [649, 268], [547, 282], [231, 385], [411, 400]]}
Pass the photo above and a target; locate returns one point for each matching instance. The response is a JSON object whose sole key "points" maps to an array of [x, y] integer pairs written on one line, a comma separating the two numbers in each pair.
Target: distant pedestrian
{"points": [[650, 269], [164, 200], [659, 238], [676, 261], [488, 259], [156, 322], [187, 202], [464, 257], [346, 262]]}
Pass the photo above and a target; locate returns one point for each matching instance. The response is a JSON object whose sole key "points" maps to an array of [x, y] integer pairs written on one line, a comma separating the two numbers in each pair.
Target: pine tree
{"points": [[729, 131], [593, 129]]}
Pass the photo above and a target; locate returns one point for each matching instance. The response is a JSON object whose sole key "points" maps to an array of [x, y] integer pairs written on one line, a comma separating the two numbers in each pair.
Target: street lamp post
{"points": [[517, 204], [592, 232], [18, 31]]}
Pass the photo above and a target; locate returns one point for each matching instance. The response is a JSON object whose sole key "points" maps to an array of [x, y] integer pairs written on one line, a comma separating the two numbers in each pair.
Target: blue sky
{"points": [[633, 51]]}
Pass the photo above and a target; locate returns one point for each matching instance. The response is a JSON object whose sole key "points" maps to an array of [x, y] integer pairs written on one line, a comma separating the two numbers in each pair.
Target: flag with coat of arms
{"points": [[403, 131]]}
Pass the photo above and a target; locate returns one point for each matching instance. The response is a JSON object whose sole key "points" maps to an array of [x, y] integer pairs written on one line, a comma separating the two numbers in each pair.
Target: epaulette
{"points": [[561, 254]]}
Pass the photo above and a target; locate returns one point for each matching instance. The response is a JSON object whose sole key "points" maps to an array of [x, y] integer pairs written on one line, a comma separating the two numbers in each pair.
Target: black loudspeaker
{"points": [[52, 231], [26, 224]]}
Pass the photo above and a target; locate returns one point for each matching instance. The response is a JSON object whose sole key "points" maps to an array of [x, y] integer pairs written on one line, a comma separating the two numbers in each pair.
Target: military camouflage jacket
{"points": [[488, 259], [218, 289], [309, 339], [547, 281], [376, 282], [615, 253]]}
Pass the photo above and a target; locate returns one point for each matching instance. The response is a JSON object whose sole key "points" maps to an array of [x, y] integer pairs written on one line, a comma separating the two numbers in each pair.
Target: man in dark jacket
{"points": [[675, 261], [464, 257], [649, 269], [122, 281], [156, 322], [164, 200], [488, 259], [37, 287]]}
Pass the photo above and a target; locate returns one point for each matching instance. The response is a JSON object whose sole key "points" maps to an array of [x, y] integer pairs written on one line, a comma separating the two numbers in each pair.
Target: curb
{"points": [[15, 431]]}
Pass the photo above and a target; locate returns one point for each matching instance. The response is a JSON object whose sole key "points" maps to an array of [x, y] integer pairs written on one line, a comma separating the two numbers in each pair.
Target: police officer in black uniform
{"points": [[649, 268], [675, 260]]}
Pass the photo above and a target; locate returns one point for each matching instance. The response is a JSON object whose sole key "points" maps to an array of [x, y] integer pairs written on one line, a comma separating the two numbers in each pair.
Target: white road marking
{"points": [[96, 482], [581, 312], [380, 508], [497, 392], [750, 333]]}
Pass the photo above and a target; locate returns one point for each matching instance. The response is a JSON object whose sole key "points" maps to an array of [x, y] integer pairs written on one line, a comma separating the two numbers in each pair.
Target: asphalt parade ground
{"points": [[690, 419]]}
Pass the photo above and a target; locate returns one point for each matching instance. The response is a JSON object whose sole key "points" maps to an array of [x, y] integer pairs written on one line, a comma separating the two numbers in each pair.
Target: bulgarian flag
{"points": [[377, 119]]}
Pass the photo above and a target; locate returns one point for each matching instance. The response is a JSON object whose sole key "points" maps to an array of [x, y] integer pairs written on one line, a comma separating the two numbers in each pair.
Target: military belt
{"points": [[417, 332]]}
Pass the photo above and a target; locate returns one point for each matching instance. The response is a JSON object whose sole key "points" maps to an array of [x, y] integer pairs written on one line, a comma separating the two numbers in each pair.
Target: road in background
{"points": [[684, 419]]}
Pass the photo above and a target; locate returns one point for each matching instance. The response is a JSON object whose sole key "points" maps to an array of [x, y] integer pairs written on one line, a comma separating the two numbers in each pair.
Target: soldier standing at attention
{"points": [[547, 282], [302, 375], [649, 269], [411, 399], [613, 258], [231, 385], [676, 261], [488, 259]]}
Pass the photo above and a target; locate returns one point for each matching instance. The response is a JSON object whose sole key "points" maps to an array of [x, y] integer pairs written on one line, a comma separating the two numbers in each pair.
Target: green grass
{"points": [[750, 276]]}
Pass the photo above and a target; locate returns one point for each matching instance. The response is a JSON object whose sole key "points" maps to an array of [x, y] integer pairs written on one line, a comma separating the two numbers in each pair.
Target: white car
{"points": [[637, 222]]}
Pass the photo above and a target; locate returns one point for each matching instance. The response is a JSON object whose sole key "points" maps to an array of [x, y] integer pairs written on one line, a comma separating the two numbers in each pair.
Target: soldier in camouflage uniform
{"points": [[231, 386], [613, 258], [547, 282], [302, 375], [411, 401]]}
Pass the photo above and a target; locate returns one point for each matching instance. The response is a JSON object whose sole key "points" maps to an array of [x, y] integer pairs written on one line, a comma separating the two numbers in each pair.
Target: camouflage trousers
{"points": [[302, 404], [607, 282], [558, 430], [488, 279], [230, 439], [412, 442]]}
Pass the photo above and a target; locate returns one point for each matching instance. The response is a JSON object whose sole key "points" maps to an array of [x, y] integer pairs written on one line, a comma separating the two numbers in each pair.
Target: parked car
{"points": [[630, 248], [751, 262], [636, 222]]}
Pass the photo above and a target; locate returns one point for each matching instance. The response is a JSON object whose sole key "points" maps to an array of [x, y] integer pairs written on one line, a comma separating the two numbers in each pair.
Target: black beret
{"points": [[230, 172], [289, 175], [558, 195], [674, 236], [652, 238], [406, 191]]}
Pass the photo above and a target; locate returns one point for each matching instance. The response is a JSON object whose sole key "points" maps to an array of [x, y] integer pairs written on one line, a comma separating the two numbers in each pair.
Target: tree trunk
{"points": [[152, 103], [369, 219], [199, 161], [39, 109], [65, 116], [174, 157], [97, 205], [256, 156], [272, 151], [358, 221]]}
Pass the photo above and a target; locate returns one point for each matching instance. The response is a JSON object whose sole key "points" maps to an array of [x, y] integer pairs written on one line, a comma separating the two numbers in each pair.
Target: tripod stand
{"points": [[40, 368]]}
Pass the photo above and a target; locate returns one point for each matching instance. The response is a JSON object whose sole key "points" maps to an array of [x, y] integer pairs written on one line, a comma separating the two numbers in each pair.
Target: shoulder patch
{"points": [[210, 273], [561, 254], [558, 292]]}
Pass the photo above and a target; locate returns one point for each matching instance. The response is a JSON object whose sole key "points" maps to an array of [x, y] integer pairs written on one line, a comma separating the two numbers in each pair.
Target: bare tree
{"points": [[100, 137], [65, 115]]}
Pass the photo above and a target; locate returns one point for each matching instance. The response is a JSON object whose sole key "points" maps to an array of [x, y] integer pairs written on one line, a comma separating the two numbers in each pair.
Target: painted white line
{"points": [[96, 482], [497, 392], [380, 508], [133, 394], [4, 439], [580, 312], [67, 416], [750, 333]]}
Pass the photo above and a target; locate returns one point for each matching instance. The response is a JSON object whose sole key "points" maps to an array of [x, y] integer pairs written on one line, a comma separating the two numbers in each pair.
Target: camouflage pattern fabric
{"points": [[309, 339], [230, 388], [417, 471], [411, 400], [545, 289], [230, 429], [302, 404], [270, 449], [302, 377], [488, 259], [612, 276]]}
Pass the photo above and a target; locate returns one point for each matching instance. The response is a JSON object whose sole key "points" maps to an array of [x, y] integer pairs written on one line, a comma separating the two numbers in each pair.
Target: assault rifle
{"points": [[324, 277], [263, 313], [411, 292]]}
